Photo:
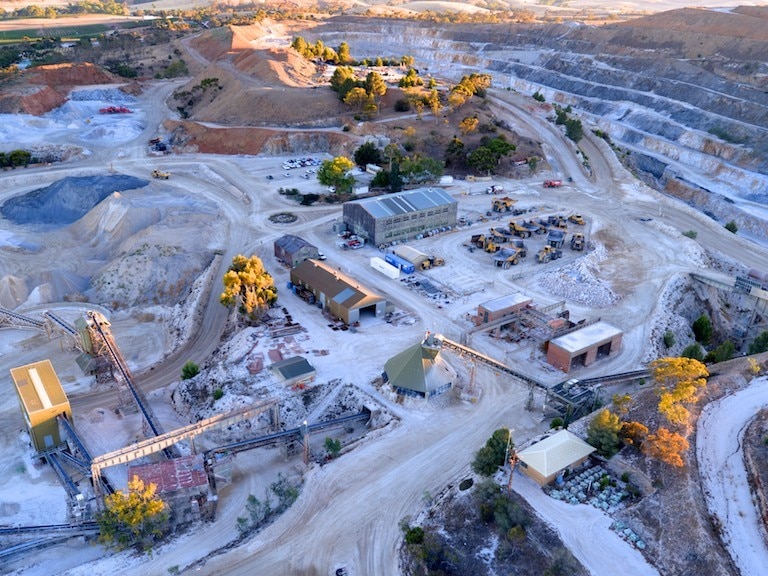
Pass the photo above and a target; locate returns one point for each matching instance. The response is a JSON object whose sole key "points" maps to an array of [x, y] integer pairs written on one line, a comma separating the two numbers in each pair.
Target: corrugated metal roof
{"points": [[587, 337], [507, 301], [334, 283], [420, 368], [405, 202], [294, 367], [555, 453], [290, 243], [38, 386]]}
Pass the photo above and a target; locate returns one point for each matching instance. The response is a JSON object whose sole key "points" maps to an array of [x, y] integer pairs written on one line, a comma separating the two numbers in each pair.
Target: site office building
{"points": [[400, 216]]}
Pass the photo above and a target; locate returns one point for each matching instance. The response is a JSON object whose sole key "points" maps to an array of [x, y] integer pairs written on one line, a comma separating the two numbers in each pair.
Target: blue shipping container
{"points": [[400, 263]]}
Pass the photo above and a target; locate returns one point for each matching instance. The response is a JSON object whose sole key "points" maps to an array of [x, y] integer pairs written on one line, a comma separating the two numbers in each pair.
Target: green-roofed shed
{"points": [[420, 370], [295, 370]]}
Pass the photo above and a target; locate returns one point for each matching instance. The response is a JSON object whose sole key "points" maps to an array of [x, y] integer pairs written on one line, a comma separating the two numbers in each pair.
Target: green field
{"points": [[64, 32]]}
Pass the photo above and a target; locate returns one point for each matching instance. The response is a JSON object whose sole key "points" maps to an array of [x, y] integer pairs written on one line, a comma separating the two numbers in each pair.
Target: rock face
{"points": [[683, 91]]}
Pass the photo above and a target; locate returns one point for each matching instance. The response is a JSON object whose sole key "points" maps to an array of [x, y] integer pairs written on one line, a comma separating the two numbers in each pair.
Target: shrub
{"points": [[702, 329], [189, 370], [556, 423], [466, 484], [732, 227], [402, 105], [217, 394], [414, 535], [669, 339], [694, 352], [538, 96], [690, 234], [625, 477], [759, 344]]}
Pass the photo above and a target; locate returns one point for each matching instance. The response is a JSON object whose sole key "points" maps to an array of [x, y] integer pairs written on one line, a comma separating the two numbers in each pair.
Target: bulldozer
{"points": [[577, 241], [507, 257], [576, 219], [160, 175], [491, 247], [484, 243], [431, 262], [503, 204], [548, 253]]}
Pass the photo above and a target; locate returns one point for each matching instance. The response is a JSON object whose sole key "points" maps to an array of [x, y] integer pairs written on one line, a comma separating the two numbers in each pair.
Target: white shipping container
{"points": [[385, 268]]}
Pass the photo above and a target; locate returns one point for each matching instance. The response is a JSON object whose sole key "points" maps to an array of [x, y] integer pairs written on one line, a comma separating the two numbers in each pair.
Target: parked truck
{"points": [[553, 183], [507, 257], [160, 175], [400, 263], [431, 262], [576, 219], [503, 204]]}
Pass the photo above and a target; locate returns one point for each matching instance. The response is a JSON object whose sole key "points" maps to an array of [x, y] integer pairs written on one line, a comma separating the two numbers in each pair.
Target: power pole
{"points": [[512, 464], [306, 443]]}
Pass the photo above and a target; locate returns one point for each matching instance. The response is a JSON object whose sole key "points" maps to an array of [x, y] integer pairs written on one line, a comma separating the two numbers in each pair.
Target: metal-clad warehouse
{"points": [[293, 250], [42, 399], [337, 293], [582, 347], [544, 460], [399, 216]]}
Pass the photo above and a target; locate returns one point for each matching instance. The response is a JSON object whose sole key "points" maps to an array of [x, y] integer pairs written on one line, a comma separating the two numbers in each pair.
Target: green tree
{"points": [[759, 344], [538, 96], [574, 129], [732, 227], [343, 53], [533, 164], [341, 75], [410, 80], [669, 339], [454, 152], [189, 370], [722, 353], [367, 153], [702, 329], [433, 101], [335, 173], [134, 517], [693, 351], [482, 159], [375, 85], [356, 98], [249, 286], [333, 447], [603, 433], [491, 456]]}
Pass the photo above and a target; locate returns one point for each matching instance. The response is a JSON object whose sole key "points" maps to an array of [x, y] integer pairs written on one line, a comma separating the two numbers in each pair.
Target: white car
{"points": [[332, 189]]}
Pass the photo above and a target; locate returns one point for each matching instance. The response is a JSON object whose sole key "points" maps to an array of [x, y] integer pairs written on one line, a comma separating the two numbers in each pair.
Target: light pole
{"points": [[306, 442]]}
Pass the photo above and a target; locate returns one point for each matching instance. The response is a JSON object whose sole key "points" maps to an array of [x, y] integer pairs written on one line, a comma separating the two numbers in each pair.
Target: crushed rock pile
{"points": [[578, 282], [67, 200]]}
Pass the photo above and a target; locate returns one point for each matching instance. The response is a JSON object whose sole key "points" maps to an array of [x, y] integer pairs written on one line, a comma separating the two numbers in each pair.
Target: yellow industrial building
{"points": [[42, 399]]}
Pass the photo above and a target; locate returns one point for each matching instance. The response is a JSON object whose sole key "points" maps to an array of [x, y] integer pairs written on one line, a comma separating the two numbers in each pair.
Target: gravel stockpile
{"points": [[67, 200]]}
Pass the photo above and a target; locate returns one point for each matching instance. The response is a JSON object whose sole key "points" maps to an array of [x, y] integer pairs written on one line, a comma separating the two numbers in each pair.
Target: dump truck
{"points": [[558, 221], [499, 235], [519, 229], [578, 241], [503, 204], [520, 245], [576, 219], [553, 183], [556, 238], [507, 257], [548, 253], [159, 174]]}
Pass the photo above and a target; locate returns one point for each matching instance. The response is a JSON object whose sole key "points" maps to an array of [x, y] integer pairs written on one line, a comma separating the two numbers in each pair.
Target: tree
{"points": [[533, 163], [335, 173], [722, 353], [666, 446], [603, 433], [133, 517], [454, 152], [732, 227], [433, 101], [410, 79], [482, 159], [341, 75], [693, 351], [469, 125], [333, 447], [343, 53], [491, 456], [702, 329], [633, 433], [392, 153], [574, 129], [375, 85], [759, 344], [249, 286], [356, 98], [669, 339], [538, 96], [367, 153], [189, 370], [678, 379]]}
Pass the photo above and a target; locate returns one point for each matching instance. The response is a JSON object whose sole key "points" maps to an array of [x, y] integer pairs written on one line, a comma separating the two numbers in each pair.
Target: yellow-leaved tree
{"points": [[679, 379], [666, 446], [248, 286], [135, 517]]}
